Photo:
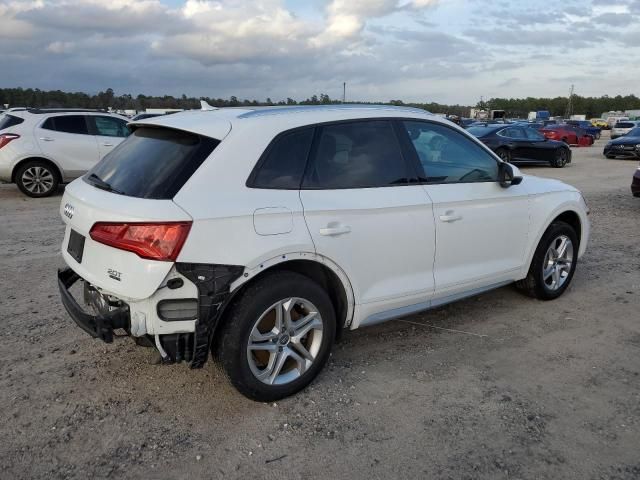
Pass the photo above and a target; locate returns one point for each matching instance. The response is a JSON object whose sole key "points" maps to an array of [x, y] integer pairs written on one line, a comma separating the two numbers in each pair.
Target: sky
{"points": [[446, 51]]}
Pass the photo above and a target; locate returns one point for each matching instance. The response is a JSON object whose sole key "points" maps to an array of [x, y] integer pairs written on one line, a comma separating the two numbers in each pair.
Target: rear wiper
{"points": [[102, 185]]}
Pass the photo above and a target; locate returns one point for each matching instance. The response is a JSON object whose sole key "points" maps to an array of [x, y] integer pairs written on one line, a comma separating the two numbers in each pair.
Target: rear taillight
{"points": [[155, 241], [6, 138]]}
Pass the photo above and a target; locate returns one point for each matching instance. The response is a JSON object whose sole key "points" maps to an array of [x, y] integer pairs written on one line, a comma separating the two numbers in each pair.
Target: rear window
{"points": [[480, 131], [8, 121], [624, 125], [152, 163]]}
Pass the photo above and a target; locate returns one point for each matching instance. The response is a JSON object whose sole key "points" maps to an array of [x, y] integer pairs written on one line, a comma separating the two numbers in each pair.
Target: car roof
{"points": [[218, 122]]}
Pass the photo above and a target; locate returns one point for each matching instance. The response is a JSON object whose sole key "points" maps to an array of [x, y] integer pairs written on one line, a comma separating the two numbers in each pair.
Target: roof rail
{"points": [[63, 110], [261, 111]]}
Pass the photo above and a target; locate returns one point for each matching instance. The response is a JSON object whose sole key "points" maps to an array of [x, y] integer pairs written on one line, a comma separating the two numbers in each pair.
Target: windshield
{"points": [[152, 163]]}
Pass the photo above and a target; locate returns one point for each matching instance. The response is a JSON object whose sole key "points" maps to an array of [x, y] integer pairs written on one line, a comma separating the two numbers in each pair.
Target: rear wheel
{"points": [[553, 264], [504, 154], [37, 179], [561, 158], [610, 156], [277, 337]]}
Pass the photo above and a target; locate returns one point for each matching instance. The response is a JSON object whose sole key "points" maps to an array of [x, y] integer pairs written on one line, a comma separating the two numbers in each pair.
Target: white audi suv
{"points": [[41, 148], [260, 234]]}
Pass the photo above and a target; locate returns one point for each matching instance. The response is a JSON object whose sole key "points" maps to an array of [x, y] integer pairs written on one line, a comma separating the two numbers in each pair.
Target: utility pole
{"points": [[567, 114], [344, 91]]}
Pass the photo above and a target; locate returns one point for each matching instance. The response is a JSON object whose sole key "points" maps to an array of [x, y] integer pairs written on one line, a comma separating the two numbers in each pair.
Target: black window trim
{"points": [[75, 114], [415, 159], [412, 177], [251, 180]]}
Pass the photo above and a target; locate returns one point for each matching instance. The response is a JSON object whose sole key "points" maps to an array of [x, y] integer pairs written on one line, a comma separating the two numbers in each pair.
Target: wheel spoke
{"points": [[300, 348], [556, 277], [287, 307], [280, 358], [562, 248], [302, 363], [547, 273]]}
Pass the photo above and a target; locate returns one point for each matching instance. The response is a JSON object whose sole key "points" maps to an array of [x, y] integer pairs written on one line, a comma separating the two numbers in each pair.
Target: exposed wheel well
{"points": [[55, 168], [320, 274], [572, 219]]}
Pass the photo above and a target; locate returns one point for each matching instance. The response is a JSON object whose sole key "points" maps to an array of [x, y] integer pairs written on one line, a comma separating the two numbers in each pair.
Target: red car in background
{"points": [[567, 134]]}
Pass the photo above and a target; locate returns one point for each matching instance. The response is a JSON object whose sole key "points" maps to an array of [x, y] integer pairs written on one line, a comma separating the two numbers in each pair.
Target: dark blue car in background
{"points": [[587, 127]]}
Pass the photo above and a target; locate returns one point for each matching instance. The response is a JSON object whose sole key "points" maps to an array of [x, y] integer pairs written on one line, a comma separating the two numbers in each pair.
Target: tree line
{"points": [[515, 107]]}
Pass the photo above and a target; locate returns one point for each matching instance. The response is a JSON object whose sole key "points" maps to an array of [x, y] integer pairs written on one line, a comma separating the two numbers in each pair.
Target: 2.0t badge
{"points": [[69, 210], [114, 274]]}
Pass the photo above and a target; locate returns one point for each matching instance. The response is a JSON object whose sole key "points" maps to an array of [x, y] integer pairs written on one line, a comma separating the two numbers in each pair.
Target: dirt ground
{"points": [[542, 390]]}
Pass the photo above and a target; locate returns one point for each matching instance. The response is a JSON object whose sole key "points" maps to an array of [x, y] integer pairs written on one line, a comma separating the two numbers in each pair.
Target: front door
{"points": [[481, 228], [365, 215]]}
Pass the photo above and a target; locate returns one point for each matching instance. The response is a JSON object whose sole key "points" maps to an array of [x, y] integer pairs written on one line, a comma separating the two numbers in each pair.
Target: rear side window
{"points": [[67, 124], [8, 121], [153, 162], [624, 125], [282, 164], [356, 155]]}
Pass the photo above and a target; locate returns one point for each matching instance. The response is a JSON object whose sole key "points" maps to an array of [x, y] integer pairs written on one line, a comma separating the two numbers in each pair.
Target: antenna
{"points": [[204, 106], [569, 110], [344, 91]]}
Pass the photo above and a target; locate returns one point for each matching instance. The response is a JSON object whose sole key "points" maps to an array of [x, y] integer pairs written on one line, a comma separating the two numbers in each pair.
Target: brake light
{"points": [[155, 241], [6, 138]]}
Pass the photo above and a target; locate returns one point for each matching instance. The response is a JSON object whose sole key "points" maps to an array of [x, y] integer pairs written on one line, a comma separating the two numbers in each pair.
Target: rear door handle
{"points": [[335, 230], [107, 144], [450, 217], [46, 139]]}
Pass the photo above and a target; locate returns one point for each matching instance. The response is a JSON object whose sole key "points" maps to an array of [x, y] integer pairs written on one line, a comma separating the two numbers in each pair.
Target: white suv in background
{"points": [[41, 148], [259, 234]]}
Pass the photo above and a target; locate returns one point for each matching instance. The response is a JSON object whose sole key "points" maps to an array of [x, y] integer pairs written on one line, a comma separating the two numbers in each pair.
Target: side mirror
{"points": [[508, 175]]}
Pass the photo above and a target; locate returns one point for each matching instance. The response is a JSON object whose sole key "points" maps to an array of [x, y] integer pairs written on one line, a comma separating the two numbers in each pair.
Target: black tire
{"points": [[598, 136], [564, 139], [231, 351], [561, 157], [610, 157], [533, 284], [504, 154], [44, 185]]}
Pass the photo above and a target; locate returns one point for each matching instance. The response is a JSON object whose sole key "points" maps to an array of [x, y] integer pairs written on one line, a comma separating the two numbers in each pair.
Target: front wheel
{"points": [[277, 337], [553, 264]]}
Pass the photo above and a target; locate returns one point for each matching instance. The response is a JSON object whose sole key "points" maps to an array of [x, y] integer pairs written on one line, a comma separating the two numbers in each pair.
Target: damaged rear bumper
{"points": [[176, 341], [98, 326]]}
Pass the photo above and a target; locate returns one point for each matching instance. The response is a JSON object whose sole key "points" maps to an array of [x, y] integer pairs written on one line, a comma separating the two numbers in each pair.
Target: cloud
{"points": [[383, 49]]}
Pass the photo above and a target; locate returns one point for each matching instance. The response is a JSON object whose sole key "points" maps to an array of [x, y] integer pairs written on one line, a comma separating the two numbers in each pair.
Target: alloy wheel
{"points": [[557, 262], [285, 341], [37, 180]]}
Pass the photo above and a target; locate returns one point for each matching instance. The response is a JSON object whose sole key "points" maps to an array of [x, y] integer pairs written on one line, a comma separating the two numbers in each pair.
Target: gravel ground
{"points": [[533, 390]]}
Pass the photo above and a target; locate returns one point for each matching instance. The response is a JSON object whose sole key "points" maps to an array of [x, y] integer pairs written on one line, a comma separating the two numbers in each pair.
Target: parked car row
{"points": [[41, 148]]}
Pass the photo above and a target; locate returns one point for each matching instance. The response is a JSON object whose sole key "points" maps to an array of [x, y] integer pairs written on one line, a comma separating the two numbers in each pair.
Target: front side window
{"points": [[359, 154], [67, 124], [282, 165], [110, 127], [448, 156]]}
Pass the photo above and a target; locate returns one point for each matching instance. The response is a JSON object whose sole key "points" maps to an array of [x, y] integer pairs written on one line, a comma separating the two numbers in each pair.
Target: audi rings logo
{"points": [[69, 210]]}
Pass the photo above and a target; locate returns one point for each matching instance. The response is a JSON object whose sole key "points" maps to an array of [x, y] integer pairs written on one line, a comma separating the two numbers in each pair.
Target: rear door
{"points": [[66, 139], [539, 148], [481, 228], [109, 132], [364, 213], [517, 142]]}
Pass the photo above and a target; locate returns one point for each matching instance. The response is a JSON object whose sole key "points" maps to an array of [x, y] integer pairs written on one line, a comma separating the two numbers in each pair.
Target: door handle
{"points": [[332, 230], [46, 139], [107, 144], [450, 217]]}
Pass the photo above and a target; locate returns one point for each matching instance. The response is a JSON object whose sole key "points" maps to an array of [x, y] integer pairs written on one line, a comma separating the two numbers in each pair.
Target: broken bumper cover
{"points": [[98, 326]]}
